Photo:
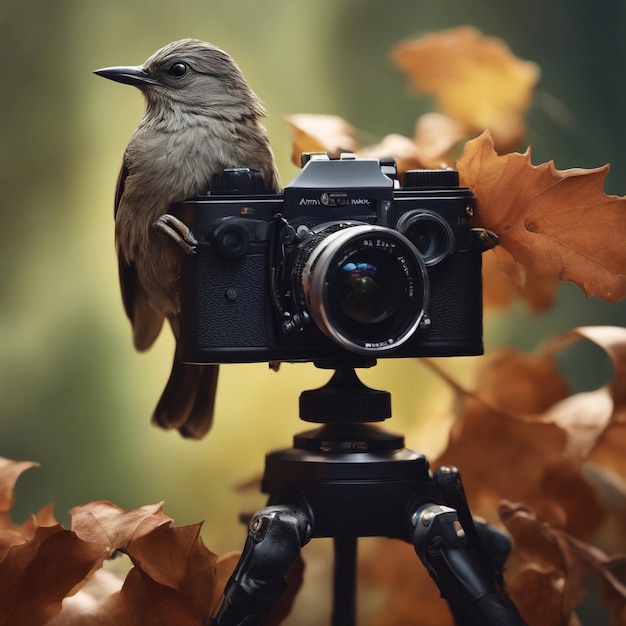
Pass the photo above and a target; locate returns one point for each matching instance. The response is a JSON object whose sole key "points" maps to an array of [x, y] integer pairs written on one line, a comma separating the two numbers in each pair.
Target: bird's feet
{"points": [[178, 231]]}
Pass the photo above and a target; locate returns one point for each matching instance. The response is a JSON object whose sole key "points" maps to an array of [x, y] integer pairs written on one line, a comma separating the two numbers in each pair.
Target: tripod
{"points": [[350, 479]]}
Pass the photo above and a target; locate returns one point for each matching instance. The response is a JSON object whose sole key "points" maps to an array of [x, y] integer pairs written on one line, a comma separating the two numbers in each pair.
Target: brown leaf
{"points": [[141, 601], [584, 417], [321, 133], [538, 594], [504, 280], [37, 575], [402, 149], [475, 80], [502, 426], [560, 562], [111, 526], [436, 136], [10, 533], [176, 581], [178, 559], [548, 220], [10, 471]]}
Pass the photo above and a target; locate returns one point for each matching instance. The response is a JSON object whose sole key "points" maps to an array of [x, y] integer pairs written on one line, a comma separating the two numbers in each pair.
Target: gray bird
{"points": [[201, 117]]}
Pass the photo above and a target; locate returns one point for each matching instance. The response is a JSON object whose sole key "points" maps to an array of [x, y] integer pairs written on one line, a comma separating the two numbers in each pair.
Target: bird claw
{"points": [[178, 231]]}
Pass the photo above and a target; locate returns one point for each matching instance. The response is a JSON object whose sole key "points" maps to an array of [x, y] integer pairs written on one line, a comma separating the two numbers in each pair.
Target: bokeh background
{"points": [[74, 396]]}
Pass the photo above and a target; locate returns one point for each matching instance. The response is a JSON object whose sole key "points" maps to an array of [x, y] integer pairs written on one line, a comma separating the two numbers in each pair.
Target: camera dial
{"points": [[365, 287]]}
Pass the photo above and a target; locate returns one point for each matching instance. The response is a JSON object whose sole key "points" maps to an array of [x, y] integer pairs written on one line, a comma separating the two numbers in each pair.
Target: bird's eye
{"points": [[178, 69]]}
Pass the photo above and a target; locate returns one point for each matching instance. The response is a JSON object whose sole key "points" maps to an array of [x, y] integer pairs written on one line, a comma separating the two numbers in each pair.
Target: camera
{"points": [[346, 263]]}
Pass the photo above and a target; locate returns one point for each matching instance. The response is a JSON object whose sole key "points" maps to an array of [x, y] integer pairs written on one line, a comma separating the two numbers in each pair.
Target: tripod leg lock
{"points": [[441, 544], [275, 536]]}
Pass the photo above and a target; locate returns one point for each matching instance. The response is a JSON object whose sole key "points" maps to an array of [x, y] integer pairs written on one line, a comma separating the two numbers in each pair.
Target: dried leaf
{"points": [[474, 79], [185, 596], [111, 526], [402, 149], [141, 601], [10, 533], [10, 471], [178, 559], [504, 280], [37, 575], [436, 136], [321, 133], [538, 595], [551, 222], [546, 577], [505, 417]]}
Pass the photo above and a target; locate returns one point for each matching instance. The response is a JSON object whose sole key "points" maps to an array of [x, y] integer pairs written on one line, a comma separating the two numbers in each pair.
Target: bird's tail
{"points": [[188, 400]]}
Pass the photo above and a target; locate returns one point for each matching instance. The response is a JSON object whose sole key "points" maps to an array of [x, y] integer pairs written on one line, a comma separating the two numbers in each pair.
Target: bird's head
{"points": [[191, 75]]}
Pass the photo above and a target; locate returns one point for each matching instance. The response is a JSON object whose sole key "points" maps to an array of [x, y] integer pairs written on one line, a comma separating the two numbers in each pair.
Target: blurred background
{"points": [[74, 396]]}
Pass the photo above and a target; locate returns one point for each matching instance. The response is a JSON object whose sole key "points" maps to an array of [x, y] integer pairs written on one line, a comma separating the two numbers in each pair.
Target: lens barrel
{"points": [[366, 287]]}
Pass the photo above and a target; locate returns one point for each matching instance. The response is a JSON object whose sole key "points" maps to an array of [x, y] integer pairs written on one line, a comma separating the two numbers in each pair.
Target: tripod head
{"points": [[344, 399]]}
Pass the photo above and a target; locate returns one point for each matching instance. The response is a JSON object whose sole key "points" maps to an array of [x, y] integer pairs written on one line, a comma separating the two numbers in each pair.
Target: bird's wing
{"points": [[119, 189], [146, 321]]}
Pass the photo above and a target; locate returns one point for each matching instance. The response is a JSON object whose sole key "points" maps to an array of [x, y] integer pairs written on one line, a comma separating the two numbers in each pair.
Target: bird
{"points": [[201, 117]]}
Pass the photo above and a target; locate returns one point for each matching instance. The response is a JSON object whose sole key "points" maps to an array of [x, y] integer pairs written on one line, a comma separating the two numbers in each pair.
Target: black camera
{"points": [[345, 263]]}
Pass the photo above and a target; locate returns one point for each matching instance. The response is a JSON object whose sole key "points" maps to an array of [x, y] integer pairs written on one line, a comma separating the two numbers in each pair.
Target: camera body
{"points": [[344, 264]]}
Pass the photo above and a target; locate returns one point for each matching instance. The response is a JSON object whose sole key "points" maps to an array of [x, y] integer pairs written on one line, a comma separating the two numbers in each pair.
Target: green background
{"points": [[74, 396]]}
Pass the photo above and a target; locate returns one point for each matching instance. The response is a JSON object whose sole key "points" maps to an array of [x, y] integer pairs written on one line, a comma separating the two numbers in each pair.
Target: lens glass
{"points": [[368, 287]]}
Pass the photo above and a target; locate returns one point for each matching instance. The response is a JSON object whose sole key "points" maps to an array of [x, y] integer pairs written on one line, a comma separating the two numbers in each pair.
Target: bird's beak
{"points": [[131, 75]]}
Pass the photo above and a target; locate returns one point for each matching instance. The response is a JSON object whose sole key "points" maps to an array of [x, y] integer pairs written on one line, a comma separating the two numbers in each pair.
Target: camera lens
{"points": [[366, 287], [429, 233]]}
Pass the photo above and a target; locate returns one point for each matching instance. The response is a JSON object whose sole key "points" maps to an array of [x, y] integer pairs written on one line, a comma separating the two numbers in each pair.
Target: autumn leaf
{"points": [[107, 524], [436, 137], [433, 145], [177, 558], [504, 281], [500, 426], [555, 223], [546, 577], [321, 133], [176, 580], [10, 471], [37, 575], [475, 80], [12, 534], [521, 409], [402, 149]]}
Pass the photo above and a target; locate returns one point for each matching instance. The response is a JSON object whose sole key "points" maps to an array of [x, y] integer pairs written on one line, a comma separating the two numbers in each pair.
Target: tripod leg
{"points": [[275, 536], [442, 546], [489, 545], [344, 594]]}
